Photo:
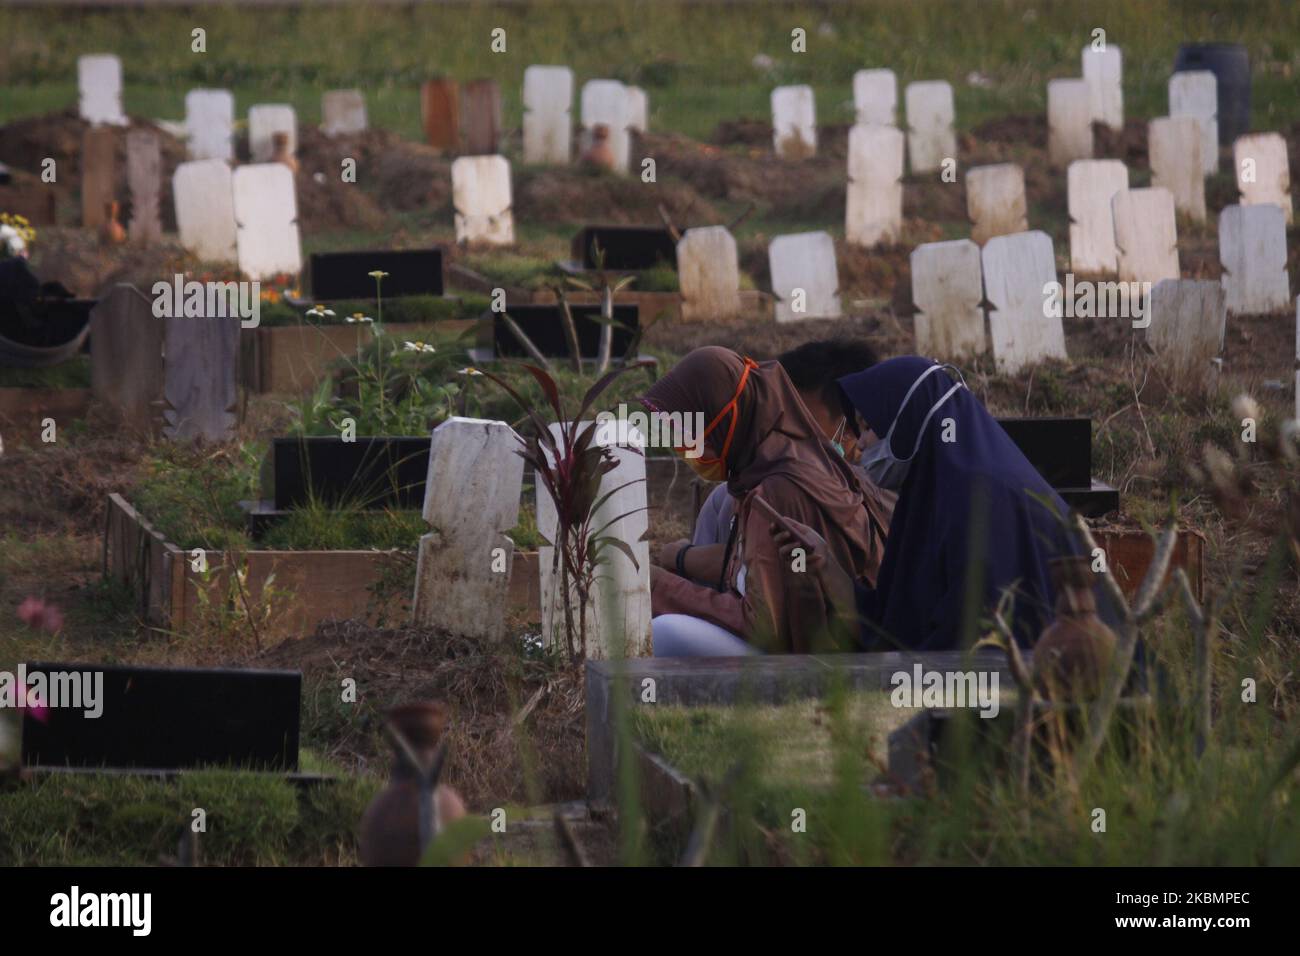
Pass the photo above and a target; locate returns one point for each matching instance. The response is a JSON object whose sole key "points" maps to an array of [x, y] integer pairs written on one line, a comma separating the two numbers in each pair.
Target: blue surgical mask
{"points": [[882, 467]]}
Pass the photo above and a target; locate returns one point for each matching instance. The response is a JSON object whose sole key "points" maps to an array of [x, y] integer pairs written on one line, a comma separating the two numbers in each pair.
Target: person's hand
{"points": [[837, 583], [666, 555]]}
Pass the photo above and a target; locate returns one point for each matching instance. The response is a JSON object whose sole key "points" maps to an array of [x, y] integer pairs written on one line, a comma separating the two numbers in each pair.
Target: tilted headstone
{"points": [[200, 377], [1103, 71], [209, 124], [99, 83], [266, 213], [947, 289], [794, 122], [1187, 323], [1146, 235], [1252, 248], [98, 175], [480, 117], [1092, 183], [1017, 268], [1174, 151], [805, 277], [1195, 93], [708, 274], [471, 499], [204, 196], [343, 112], [548, 126], [126, 364], [440, 111], [1263, 175], [874, 198], [264, 121], [1069, 122], [144, 176], [995, 201], [605, 102], [930, 114], [638, 109], [875, 97], [480, 190]]}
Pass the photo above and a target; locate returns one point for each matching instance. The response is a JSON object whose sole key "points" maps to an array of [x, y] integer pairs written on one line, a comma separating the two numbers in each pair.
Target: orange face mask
{"points": [[715, 469]]}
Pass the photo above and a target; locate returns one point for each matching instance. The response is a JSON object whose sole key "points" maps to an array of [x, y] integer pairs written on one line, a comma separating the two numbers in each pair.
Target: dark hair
{"points": [[814, 366]]}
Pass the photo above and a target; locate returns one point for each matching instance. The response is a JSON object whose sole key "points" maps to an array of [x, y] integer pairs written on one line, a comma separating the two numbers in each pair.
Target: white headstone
{"points": [[875, 97], [1252, 248], [1146, 235], [209, 124], [1069, 121], [480, 193], [638, 109], [805, 277], [874, 207], [548, 102], [343, 112], [1187, 322], [708, 274], [266, 212], [794, 122], [1263, 175], [1092, 185], [930, 114], [1174, 151], [1195, 93], [204, 197], [606, 102], [1017, 269], [947, 289], [264, 121], [995, 201], [99, 83], [471, 499], [1103, 70]]}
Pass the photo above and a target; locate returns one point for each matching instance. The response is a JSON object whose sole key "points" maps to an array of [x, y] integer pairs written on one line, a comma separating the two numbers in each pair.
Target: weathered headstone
{"points": [[266, 213], [480, 117], [209, 124], [947, 290], [605, 102], [1174, 150], [805, 277], [1187, 323], [264, 121], [874, 198], [548, 127], [199, 377], [343, 112], [1017, 268], [204, 196], [99, 83], [480, 189], [875, 97], [440, 111], [126, 364], [1103, 71], [144, 176], [98, 174], [1263, 175], [471, 499], [1092, 184], [638, 109], [930, 114], [1195, 93], [1069, 121], [995, 201], [708, 274], [1252, 248], [794, 122], [1146, 235]]}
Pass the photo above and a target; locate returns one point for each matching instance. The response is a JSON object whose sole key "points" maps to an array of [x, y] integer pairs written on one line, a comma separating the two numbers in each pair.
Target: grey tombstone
{"points": [[266, 216], [210, 124], [98, 175], [875, 97], [874, 198], [930, 114], [1103, 71], [1146, 235], [805, 277], [480, 187], [204, 196], [1263, 174], [995, 201], [1092, 183], [1187, 322], [794, 122], [264, 121], [200, 377], [1017, 271], [1252, 248], [144, 176], [548, 125], [1174, 150], [605, 102], [947, 289], [343, 112], [126, 364], [471, 501], [1195, 93], [99, 85], [708, 274], [1069, 121]]}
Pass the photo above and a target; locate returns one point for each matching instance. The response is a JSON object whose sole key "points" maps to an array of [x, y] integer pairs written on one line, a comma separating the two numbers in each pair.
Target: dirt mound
{"points": [[743, 132], [1026, 130], [392, 173], [76, 258], [577, 195], [1128, 144]]}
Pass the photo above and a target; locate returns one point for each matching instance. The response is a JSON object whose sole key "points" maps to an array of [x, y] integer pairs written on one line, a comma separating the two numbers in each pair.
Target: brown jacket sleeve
{"points": [[671, 594]]}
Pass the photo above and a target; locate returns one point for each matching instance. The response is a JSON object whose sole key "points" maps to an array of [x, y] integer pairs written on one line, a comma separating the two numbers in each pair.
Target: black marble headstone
{"points": [[626, 248], [543, 324], [386, 472], [339, 276]]}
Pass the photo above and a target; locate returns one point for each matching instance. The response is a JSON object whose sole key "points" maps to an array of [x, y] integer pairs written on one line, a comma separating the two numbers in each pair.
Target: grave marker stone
{"points": [[875, 97], [1103, 71], [144, 175], [264, 121], [1091, 185], [440, 110], [204, 196], [471, 500], [623, 248], [1174, 148], [708, 274], [346, 275], [480, 187], [874, 198], [930, 136], [1263, 175], [1252, 248], [126, 364], [1188, 319], [794, 122], [1016, 270], [1146, 235], [480, 117], [995, 201], [605, 102], [947, 289], [200, 377], [266, 215], [343, 112], [209, 124], [548, 129], [638, 109], [805, 278], [1195, 93], [1069, 121], [98, 174], [543, 324], [99, 84]]}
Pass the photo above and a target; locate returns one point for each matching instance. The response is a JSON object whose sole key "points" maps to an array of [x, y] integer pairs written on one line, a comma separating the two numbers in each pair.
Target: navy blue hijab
{"points": [[976, 490]]}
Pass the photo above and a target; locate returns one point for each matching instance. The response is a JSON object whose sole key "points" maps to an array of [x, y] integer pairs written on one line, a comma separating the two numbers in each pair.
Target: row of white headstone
{"points": [[248, 215], [548, 125]]}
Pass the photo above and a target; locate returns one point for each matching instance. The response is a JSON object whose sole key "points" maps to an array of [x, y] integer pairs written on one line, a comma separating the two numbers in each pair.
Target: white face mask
{"points": [[883, 468]]}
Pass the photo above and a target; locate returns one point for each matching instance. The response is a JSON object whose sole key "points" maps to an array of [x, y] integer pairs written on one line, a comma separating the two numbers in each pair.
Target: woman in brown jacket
{"points": [[762, 440]]}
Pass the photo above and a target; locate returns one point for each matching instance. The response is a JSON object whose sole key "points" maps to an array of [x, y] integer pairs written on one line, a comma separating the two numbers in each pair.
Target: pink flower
{"points": [[37, 614]]}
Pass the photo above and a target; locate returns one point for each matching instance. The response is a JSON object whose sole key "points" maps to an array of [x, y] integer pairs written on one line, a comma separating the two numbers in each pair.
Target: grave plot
{"points": [[875, 97], [874, 198], [264, 121], [343, 112], [209, 124], [1016, 271], [947, 289], [543, 325], [1252, 249], [1174, 146], [794, 122], [605, 103], [995, 201], [481, 197], [1146, 235], [805, 278], [1188, 318], [99, 84], [548, 124], [1263, 176], [1069, 121], [1103, 71], [930, 136], [1092, 183], [1194, 93]]}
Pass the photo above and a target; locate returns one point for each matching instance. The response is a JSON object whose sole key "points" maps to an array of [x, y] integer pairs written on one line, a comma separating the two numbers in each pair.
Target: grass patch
{"points": [[74, 373]]}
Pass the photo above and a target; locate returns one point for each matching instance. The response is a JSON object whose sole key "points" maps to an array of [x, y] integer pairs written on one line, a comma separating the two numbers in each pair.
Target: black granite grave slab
{"points": [[626, 248], [1060, 449], [543, 324], [368, 472], [339, 276]]}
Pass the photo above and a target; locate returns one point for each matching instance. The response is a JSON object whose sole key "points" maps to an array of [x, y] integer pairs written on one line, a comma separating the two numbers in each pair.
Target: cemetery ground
{"points": [[517, 738]]}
